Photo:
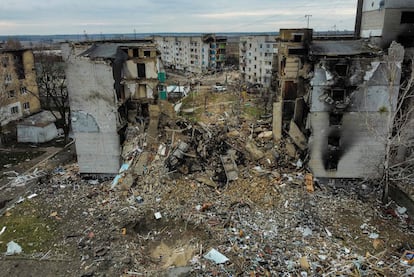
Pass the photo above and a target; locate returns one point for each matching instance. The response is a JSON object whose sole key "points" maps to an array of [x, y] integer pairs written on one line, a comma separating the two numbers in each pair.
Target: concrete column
{"points": [[277, 121]]}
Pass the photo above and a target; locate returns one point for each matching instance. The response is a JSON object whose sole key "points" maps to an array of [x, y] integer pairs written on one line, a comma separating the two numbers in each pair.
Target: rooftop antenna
{"points": [[308, 16]]}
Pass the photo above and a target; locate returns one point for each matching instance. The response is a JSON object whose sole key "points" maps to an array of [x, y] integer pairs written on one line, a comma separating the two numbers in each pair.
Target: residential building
{"points": [[110, 85], [19, 95], [192, 53], [386, 20], [256, 59]]}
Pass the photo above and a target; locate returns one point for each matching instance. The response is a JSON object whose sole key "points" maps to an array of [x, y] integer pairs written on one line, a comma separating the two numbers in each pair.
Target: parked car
{"points": [[218, 88]]}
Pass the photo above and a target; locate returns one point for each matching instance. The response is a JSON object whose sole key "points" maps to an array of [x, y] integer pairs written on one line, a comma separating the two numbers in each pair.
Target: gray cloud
{"points": [[108, 16]]}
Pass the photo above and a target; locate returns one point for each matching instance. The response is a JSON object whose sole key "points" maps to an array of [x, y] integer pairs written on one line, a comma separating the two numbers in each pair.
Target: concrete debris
{"points": [[13, 248], [254, 151], [297, 136], [216, 257]]}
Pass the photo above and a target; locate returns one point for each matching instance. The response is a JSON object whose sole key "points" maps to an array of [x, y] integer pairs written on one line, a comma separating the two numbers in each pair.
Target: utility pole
{"points": [[308, 16]]}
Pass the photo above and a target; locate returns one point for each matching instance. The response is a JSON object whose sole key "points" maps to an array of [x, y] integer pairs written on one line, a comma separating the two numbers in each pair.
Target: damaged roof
{"points": [[112, 50], [341, 48]]}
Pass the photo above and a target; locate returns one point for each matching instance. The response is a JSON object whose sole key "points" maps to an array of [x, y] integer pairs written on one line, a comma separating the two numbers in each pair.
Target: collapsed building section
{"points": [[110, 85], [291, 72], [333, 102]]}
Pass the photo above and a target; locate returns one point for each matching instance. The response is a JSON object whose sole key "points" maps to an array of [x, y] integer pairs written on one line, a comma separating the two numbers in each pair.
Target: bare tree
{"points": [[53, 92], [3, 102], [396, 166], [12, 43]]}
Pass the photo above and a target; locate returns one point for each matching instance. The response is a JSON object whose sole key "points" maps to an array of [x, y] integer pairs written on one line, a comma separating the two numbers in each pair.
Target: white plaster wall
{"points": [[34, 134], [91, 91], [363, 135]]}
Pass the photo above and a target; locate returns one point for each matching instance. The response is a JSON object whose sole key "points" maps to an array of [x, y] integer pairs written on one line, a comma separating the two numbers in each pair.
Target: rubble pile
{"points": [[217, 200]]}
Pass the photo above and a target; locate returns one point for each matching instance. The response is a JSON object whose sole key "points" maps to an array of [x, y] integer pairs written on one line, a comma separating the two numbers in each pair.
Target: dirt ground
{"points": [[163, 222]]}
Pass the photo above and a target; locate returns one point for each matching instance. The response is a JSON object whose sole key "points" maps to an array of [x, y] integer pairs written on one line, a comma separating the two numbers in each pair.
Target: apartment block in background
{"points": [[256, 59], [192, 53]]}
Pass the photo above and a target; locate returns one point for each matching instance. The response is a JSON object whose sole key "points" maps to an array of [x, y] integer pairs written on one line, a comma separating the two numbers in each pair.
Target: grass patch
{"points": [[25, 226], [253, 111], [16, 157]]}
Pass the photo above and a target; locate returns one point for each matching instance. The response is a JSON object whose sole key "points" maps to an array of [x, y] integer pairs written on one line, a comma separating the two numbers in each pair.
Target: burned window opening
{"points": [[341, 69], [290, 91], [135, 53], [338, 94], [18, 63], [288, 110], [335, 119], [334, 141], [407, 17], [333, 153], [332, 160], [297, 51], [147, 54], [141, 70]]}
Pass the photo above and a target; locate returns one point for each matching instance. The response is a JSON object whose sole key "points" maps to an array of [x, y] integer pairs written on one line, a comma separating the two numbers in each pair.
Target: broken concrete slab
{"points": [[254, 151], [230, 167], [291, 150], [298, 137]]}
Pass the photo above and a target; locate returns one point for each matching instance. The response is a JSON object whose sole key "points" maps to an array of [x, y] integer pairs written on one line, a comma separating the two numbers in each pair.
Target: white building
{"points": [[256, 58], [192, 53], [386, 20]]}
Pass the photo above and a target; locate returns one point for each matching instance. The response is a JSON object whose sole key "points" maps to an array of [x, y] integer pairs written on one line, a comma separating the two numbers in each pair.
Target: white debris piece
{"points": [[2, 230], [13, 248], [401, 210], [157, 215], [215, 256], [373, 236]]}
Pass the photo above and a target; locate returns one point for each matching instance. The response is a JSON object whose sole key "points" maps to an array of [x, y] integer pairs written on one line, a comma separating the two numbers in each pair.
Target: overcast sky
{"points": [[19, 17]]}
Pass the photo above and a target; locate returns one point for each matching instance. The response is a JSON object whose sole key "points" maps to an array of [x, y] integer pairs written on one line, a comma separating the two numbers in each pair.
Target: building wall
{"points": [[383, 18], [256, 59], [94, 112], [355, 140], [36, 134], [20, 94]]}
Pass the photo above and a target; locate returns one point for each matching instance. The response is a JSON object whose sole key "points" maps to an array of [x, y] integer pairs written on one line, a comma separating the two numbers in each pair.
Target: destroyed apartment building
{"points": [[333, 99], [110, 85], [19, 94]]}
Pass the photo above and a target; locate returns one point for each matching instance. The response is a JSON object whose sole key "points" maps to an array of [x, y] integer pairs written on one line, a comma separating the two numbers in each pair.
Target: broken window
{"points": [[141, 70], [338, 94], [407, 18], [341, 69], [7, 79], [335, 119], [14, 110], [5, 61], [11, 93], [23, 90], [135, 53], [26, 106], [333, 141], [147, 54], [334, 153], [297, 37]]}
